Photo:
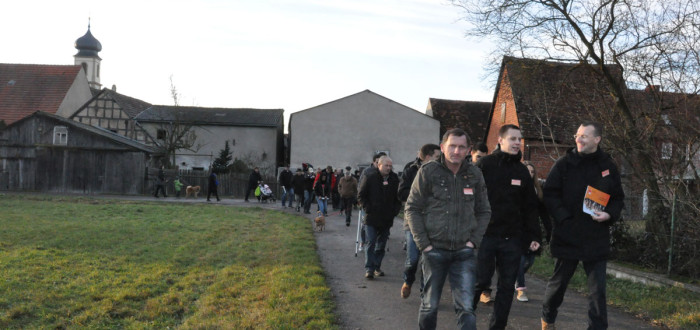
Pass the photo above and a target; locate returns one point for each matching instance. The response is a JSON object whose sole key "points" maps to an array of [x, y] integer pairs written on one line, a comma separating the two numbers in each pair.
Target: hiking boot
{"points": [[485, 297], [378, 273], [548, 326], [522, 296], [369, 275], [405, 291]]}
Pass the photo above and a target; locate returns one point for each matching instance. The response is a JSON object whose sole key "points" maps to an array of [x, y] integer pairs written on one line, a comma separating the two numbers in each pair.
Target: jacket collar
{"points": [[504, 156], [575, 157], [464, 167]]}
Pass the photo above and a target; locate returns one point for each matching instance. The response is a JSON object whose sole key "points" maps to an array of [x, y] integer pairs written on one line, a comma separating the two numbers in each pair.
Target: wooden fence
{"points": [[231, 185]]}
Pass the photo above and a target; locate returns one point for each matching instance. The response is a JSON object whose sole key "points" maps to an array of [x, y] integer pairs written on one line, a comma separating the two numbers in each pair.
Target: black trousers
{"points": [[160, 187], [502, 254], [251, 187], [556, 287], [214, 191]]}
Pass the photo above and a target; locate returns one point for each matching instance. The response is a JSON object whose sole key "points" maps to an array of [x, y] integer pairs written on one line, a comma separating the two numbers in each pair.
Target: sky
{"points": [[265, 54]]}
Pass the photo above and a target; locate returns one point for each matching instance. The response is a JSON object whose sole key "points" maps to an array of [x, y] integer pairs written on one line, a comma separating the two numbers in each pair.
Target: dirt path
{"points": [[376, 304]]}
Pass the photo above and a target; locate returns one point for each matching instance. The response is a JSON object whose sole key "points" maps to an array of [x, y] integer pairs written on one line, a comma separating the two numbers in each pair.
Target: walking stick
{"points": [[359, 225]]}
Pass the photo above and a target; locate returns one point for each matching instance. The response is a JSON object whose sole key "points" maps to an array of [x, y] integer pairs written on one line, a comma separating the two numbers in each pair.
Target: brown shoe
{"points": [[485, 297], [405, 291], [548, 326]]}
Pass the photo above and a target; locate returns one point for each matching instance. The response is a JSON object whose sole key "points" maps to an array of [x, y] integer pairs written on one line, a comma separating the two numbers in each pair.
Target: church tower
{"points": [[87, 57]]}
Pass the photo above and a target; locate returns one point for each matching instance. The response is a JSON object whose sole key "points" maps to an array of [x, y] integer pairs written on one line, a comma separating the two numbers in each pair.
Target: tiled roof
{"points": [[213, 116], [471, 116], [551, 98], [27, 88]]}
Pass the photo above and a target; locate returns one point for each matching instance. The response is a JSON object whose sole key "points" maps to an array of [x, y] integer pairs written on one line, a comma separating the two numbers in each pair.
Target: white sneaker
{"points": [[522, 296]]}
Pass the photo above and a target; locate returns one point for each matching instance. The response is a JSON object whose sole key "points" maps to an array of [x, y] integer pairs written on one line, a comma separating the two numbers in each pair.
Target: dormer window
{"points": [[60, 135], [666, 150], [503, 112]]}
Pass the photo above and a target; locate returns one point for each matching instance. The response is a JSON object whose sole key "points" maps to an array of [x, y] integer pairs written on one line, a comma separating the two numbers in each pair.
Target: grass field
{"points": [[669, 307], [68, 262]]}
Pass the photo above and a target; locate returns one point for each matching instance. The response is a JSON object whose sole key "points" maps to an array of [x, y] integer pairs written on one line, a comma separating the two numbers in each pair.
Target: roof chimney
{"points": [[114, 88], [653, 88]]}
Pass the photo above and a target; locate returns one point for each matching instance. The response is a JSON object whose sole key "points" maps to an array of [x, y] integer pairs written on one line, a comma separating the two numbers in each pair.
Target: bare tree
{"points": [[651, 43], [174, 130]]}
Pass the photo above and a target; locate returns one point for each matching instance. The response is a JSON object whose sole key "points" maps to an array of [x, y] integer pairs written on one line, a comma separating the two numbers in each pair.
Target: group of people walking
{"points": [[468, 217]]}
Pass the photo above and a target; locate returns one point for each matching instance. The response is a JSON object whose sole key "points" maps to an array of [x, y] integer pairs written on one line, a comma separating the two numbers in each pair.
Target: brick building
{"points": [[547, 100]]}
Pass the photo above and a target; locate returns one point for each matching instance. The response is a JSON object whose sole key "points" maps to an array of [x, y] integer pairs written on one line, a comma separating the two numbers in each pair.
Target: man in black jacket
{"points": [[576, 235], [285, 181], [426, 153], [378, 194], [253, 180], [298, 186], [514, 225]]}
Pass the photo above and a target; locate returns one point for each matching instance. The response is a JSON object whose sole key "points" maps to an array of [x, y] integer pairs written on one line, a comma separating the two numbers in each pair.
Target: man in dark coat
{"points": [[285, 181], [213, 187], [298, 186], [426, 153], [576, 235], [514, 226], [309, 190], [160, 182], [378, 194], [253, 180]]}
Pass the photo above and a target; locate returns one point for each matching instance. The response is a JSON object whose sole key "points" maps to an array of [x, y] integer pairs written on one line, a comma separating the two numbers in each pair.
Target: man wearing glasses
{"points": [[579, 236]]}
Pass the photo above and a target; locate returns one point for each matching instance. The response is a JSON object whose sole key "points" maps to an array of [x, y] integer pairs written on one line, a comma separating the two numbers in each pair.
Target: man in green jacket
{"points": [[448, 211]]}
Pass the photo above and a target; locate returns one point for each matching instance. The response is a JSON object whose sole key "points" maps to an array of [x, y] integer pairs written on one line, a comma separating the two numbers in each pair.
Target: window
{"points": [[666, 150], [503, 112], [160, 135], [60, 135], [666, 120]]}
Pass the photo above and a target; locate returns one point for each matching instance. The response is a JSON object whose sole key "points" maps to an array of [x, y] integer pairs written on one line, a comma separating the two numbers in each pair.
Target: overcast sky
{"points": [[292, 55]]}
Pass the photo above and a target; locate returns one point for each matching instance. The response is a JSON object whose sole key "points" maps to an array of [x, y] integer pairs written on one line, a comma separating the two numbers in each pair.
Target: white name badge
{"points": [[515, 182], [468, 191]]}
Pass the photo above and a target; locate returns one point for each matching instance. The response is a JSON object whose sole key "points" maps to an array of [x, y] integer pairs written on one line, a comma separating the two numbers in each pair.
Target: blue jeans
{"points": [[556, 287], [308, 197], [526, 262], [374, 248], [460, 265], [504, 254], [322, 205], [288, 193], [412, 256]]}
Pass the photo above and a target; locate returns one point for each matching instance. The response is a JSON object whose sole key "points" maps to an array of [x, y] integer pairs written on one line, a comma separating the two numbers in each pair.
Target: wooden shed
{"points": [[48, 153]]}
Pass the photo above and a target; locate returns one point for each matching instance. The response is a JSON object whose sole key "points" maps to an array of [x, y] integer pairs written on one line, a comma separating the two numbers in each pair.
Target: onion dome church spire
{"points": [[88, 47]]}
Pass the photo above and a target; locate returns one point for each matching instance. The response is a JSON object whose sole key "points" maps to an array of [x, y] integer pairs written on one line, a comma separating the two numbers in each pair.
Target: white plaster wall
{"points": [[348, 131], [249, 142], [78, 94]]}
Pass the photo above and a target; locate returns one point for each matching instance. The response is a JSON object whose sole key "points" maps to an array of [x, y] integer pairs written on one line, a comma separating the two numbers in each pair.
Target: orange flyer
{"points": [[595, 200]]}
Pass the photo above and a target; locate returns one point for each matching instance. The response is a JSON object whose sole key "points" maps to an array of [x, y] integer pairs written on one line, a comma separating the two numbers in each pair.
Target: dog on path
{"points": [[192, 191], [319, 222]]}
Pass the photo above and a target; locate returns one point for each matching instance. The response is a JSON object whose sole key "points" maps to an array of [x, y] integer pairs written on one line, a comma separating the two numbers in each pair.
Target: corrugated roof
{"points": [[471, 116], [27, 88], [95, 130], [212, 116]]}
